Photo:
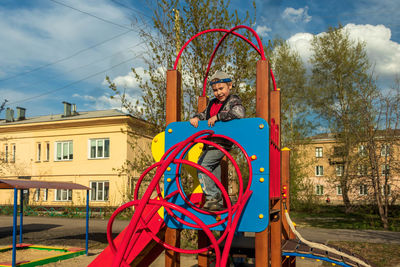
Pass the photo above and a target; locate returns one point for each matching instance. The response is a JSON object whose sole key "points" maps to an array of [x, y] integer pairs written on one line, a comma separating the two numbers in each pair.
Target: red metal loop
{"points": [[137, 221], [260, 50]]}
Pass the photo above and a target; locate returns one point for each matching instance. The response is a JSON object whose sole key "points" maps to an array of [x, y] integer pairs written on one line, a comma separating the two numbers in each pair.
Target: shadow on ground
{"points": [[28, 228]]}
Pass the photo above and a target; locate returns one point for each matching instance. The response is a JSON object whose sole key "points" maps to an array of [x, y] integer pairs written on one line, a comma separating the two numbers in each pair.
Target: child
{"points": [[224, 107]]}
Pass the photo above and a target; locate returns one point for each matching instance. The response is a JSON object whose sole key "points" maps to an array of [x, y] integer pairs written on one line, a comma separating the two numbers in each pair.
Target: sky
{"points": [[61, 50]]}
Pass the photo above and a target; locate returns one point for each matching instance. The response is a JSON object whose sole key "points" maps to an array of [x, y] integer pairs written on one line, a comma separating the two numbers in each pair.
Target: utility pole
{"points": [[178, 44]]}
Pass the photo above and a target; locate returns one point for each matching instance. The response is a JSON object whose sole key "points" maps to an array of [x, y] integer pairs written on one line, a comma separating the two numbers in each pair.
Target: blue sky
{"points": [[61, 50]]}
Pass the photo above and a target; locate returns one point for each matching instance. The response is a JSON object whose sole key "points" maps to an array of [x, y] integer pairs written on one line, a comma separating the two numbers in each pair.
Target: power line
{"points": [[70, 84], [74, 69], [65, 58], [91, 15], [133, 9]]}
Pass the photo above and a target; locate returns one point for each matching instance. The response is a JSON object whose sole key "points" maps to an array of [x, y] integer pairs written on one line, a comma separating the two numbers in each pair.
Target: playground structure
{"points": [[262, 207]]}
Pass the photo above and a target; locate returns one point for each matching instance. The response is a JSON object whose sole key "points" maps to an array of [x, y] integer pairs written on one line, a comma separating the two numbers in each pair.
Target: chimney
{"points": [[74, 112], [9, 115], [20, 113], [67, 109]]}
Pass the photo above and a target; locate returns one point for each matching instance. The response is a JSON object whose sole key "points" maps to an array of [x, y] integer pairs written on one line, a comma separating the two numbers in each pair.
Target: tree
{"points": [[290, 74], [380, 139], [3, 104], [339, 76], [174, 23]]}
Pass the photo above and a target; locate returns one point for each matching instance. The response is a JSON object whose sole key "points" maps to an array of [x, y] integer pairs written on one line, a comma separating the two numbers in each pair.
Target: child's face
{"points": [[221, 90]]}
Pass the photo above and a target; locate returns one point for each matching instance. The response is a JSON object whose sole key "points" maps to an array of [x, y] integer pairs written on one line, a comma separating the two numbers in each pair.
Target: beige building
{"points": [[88, 148], [325, 167]]}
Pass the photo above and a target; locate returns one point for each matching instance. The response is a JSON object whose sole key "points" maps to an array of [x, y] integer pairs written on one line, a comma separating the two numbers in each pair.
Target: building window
{"points": [[385, 169], [363, 190], [318, 152], [45, 194], [319, 170], [37, 194], [38, 151], [47, 151], [339, 151], [385, 150], [99, 190], [63, 195], [64, 150], [361, 170], [339, 169], [319, 189], [5, 158], [339, 190], [99, 148], [386, 190], [13, 152], [362, 151]]}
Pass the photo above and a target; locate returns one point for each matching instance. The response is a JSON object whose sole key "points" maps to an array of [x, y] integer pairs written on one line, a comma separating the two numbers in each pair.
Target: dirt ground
{"points": [[62, 232]]}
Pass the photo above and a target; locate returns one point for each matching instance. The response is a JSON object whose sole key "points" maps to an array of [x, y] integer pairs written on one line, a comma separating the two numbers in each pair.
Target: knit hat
{"points": [[220, 77]]}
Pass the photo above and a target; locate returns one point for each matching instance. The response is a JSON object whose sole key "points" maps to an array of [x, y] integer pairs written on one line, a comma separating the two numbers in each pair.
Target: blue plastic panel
{"points": [[253, 135]]}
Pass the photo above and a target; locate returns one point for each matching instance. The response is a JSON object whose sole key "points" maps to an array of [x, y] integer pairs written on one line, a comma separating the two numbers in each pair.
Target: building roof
{"points": [[379, 134], [26, 184], [60, 117]]}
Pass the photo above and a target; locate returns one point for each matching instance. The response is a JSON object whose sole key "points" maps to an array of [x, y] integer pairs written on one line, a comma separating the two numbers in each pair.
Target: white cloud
{"points": [[296, 15], [129, 81], [32, 37], [383, 53], [104, 102], [302, 43], [263, 30]]}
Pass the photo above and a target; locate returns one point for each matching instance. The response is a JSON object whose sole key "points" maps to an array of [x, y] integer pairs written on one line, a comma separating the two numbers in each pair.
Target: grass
{"points": [[334, 217], [383, 255]]}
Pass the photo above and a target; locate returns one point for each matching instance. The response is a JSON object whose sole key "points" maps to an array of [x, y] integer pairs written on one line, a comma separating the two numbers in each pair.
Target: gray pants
{"points": [[211, 160]]}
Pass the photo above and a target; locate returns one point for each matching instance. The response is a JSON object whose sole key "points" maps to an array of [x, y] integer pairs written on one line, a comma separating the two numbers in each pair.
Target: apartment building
{"points": [[87, 148], [323, 158]]}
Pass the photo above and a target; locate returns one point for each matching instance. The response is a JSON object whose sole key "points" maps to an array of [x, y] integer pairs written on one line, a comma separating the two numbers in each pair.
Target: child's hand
{"points": [[212, 120], [194, 121]]}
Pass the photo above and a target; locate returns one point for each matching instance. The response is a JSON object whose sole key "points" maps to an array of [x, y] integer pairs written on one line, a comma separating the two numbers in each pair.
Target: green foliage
{"points": [[290, 75], [339, 75]]}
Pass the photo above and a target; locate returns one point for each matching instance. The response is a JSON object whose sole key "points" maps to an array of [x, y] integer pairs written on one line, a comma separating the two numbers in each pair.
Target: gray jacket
{"points": [[232, 108]]}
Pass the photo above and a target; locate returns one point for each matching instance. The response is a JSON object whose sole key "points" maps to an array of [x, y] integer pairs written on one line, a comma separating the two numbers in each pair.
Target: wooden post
{"points": [[276, 227], [262, 111], [173, 113], [202, 240], [286, 233]]}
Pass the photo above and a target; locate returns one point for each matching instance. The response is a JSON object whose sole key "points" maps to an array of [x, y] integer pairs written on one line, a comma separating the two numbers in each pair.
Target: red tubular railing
{"points": [[138, 222], [259, 49]]}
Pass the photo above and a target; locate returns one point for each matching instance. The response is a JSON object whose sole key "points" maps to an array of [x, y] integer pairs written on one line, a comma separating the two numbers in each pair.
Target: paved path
{"points": [[372, 236]]}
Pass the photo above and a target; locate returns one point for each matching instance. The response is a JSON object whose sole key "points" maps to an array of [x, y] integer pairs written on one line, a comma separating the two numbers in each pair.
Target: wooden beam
{"points": [[276, 226], [173, 113], [286, 232], [262, 111], [202, 239]]}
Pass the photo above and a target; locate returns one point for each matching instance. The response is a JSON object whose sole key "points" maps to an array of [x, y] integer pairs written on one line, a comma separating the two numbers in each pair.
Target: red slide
{"points": [[144, 249]]}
